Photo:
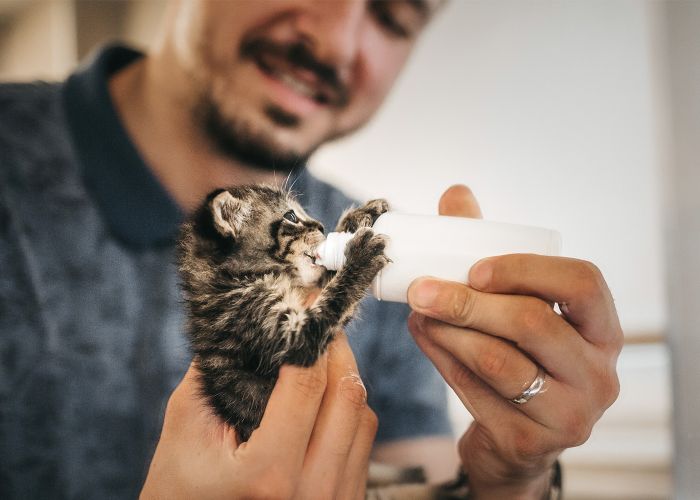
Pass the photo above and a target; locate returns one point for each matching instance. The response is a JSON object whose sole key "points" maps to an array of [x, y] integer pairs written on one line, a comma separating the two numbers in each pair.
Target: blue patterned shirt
{"points": [[91, 318]]}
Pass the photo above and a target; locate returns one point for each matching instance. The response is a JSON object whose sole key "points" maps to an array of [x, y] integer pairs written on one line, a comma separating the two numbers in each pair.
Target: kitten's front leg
{"points": [[337, 301], [364, 216], [364, 258]]}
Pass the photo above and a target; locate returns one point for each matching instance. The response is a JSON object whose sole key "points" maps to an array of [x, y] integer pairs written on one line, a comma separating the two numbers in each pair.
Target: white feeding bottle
{"points": [[437, 245]]}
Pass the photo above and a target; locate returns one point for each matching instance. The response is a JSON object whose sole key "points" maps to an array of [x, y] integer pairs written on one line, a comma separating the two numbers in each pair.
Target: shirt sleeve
{"points": [[404, 389]]}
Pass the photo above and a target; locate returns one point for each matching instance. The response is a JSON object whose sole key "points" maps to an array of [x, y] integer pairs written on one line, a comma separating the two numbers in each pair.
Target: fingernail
{"points": [[348, 388], [423, 293], [480, 274]]}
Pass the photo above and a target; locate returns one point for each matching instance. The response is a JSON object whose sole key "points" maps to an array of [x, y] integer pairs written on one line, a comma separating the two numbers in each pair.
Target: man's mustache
{"points": [[298, 54]]}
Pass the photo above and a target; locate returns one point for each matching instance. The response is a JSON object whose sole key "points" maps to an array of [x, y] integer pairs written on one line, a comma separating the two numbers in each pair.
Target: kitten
{"points": [[246, 259]]}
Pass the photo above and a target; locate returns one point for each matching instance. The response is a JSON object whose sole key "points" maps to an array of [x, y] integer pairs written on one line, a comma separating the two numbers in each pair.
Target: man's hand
{"points": [[314, 440], [488, 340]]}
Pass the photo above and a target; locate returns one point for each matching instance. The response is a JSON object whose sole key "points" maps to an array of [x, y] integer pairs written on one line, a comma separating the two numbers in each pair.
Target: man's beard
{"points": [[241, 142]]}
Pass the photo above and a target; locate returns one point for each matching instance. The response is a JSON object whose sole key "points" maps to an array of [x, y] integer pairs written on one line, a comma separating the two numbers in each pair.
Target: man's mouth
{"points": [[286, 75], [295, 67]]}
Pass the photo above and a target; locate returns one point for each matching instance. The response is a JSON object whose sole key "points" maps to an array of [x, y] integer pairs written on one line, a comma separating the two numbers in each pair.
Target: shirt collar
{"points": [[137, 208]]}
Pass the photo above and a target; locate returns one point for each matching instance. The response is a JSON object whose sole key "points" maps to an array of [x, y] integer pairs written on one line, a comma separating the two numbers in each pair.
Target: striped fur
{"points": [[248, 278]]}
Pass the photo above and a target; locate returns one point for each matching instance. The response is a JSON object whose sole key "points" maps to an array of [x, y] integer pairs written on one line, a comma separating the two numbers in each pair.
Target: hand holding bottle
{"points": [[489, 340]]}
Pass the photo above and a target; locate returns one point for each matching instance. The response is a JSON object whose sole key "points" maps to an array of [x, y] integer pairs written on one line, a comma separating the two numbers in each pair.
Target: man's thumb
{"points": [[459, 201]]}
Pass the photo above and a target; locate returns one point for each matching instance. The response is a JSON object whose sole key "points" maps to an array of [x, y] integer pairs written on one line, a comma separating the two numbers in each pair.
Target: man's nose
{"points": [[334, 29]]}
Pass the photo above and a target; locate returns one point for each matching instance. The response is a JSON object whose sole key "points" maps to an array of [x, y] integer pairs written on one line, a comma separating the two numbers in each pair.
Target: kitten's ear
{"points": [[229, 213]]}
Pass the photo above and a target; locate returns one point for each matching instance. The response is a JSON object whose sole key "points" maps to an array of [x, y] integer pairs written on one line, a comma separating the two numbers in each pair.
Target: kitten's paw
{"points": [[365, 216], [376, 208], [366, 250]]}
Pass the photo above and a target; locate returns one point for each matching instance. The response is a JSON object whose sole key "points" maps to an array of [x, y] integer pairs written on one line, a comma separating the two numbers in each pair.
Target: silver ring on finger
{"points": [[535, 388]]}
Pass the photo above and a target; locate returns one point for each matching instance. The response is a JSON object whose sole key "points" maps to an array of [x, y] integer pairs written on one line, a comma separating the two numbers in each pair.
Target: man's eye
{"points": [[390, 15], [291, 216], [387, 20]]}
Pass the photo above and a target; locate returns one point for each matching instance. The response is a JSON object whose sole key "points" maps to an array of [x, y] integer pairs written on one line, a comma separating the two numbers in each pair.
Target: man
{"points": [[100, 170]]}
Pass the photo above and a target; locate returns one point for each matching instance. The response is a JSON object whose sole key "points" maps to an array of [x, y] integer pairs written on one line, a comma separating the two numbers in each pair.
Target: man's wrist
{"points": [[548, 487]]}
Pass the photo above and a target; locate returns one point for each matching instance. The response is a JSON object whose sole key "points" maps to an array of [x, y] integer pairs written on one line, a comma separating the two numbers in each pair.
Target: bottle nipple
{"points": [[331, 252]]}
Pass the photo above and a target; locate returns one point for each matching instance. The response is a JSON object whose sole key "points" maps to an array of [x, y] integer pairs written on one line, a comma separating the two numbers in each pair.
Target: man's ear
{"points": [[229, 213]]}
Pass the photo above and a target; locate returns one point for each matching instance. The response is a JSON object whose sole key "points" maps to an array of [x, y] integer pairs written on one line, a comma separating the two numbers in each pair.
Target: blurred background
{"points": [[574, 115]]}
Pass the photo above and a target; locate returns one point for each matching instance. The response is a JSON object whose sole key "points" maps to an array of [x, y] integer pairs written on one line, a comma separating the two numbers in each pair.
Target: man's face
{"points": [[275, 79]]}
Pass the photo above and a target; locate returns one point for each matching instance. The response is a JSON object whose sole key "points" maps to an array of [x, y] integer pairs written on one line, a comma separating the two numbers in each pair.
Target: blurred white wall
{"points": [[550, 112], [683, 240]]}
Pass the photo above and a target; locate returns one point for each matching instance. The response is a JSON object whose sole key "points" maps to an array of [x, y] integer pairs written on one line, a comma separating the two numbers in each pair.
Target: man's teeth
{"points": [[297, 85]]}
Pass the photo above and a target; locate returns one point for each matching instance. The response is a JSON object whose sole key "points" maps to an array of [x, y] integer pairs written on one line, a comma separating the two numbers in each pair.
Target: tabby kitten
{"points": [[246, 259]]}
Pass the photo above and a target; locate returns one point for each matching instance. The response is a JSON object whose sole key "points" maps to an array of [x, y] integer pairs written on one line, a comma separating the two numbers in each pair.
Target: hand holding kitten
{"points": [[314, 440]]}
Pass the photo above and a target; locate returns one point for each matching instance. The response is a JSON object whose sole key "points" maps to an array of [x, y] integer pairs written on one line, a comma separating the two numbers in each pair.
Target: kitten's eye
{"points": [[291, 216]]}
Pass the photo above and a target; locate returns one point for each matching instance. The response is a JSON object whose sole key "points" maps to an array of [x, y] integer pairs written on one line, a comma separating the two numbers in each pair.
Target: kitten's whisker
{"points": [[293, 182], [286, 182]]}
